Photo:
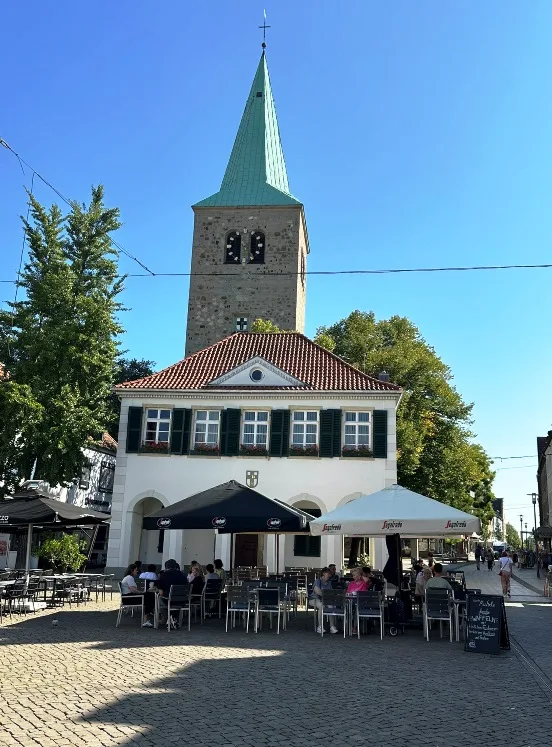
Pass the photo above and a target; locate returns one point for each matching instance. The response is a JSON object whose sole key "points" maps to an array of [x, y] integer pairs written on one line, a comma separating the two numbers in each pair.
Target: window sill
{"points": [[205, 455], [153, 453], [357, 458]]}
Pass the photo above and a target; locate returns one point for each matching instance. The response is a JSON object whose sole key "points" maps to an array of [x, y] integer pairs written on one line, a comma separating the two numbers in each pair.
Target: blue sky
{"points": [[416, 134]]}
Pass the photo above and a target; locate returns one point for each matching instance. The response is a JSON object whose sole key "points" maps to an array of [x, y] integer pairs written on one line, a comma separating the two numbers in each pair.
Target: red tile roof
{"points": [[289, 351]]}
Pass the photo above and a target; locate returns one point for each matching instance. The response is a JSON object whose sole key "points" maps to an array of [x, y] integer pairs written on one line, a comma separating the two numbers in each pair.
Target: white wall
{"points": [[170, 478]]}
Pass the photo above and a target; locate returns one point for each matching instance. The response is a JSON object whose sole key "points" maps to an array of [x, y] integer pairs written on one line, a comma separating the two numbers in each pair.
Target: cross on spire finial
{"points": [[264, 27]]}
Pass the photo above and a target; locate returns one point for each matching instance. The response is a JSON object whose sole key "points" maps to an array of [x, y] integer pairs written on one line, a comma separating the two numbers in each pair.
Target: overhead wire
{"points": [[66, 200]]}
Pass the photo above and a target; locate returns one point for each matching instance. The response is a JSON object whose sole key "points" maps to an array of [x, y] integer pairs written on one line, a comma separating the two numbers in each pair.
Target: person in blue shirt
{"points": [[322, 583]]}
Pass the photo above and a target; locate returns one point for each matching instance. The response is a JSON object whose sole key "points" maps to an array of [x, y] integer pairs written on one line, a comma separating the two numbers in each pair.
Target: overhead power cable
{"points": [[23, 163]]}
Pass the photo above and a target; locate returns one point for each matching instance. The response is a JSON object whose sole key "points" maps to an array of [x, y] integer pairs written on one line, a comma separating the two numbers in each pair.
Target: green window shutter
{"points": [[134, 430], [180, 430], [230, 432], [279, 433], [380, 434], [330, 433]]}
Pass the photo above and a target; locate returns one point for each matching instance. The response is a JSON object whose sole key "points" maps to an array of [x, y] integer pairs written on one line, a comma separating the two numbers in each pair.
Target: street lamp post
{"points": [[534, 500], [526, 538], [521, 529]]}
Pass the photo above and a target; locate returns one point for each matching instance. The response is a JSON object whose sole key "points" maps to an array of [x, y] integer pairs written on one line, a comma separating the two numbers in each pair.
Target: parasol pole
{"points": [[28, 553]]}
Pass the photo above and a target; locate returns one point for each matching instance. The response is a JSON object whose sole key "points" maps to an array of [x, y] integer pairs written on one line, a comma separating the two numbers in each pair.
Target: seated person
{"points": [[334, 578], [219, 570], [417, 567], [171, 576], [197, 583], [358, 583], [421, 580], [322, 583], [367, 576], [211, 575], [193, 564], [128, 586], [437, 582], [150, 574]]}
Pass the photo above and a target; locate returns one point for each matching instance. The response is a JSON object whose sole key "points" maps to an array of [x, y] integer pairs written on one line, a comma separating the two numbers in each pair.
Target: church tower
{"points": [[250, 240]]}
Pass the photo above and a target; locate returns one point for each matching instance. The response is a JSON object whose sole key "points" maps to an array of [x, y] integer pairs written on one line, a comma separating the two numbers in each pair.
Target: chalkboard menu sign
{"points": [[487, 630]]}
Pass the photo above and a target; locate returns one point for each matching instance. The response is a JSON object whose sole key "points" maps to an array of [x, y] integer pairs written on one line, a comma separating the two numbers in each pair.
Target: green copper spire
{"points": [[256, 172]]}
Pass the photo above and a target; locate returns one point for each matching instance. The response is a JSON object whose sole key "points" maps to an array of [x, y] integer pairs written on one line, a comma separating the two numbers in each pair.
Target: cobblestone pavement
{"points": [[85, 682]]}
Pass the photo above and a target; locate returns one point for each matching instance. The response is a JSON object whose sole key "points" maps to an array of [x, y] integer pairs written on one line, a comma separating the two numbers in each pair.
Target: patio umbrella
{"points": [[396, 510], [231, 508], [31, 508]]}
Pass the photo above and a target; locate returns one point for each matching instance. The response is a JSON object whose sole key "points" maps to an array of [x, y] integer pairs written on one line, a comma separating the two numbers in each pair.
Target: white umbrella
{"points": [[396, 510]]}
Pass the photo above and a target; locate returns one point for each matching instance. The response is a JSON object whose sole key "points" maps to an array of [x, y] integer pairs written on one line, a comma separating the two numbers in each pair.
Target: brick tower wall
{"points": [[247, 290]]}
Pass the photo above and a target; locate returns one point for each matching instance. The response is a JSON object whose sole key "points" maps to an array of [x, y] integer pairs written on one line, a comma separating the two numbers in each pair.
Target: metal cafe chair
{"points": [[238, 601], [269, 602], [179, 600], [211, 596], [334, 604], [130, 602], [438, 605], [369, 605]]}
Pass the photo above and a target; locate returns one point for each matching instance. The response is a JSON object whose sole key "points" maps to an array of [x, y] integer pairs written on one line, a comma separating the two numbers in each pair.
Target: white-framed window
{"points": [[304, 430], [255, 428], [356, 430], [207, 427], [157, 426]]}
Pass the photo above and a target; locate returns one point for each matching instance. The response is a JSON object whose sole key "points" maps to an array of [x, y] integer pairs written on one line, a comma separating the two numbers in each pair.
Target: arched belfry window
{"points": [[232, 253], [257, 253]]}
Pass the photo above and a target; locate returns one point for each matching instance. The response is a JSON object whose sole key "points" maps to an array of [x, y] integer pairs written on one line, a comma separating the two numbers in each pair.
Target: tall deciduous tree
{"points": [[512, 536], [436, 454], [59, 344]]}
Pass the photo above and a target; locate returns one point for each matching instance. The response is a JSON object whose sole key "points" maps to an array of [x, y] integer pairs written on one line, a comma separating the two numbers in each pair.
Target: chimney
{"points": [[383, 376]]}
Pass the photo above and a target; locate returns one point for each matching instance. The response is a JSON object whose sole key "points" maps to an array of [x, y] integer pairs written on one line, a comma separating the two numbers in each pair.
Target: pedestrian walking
{"points": [[489, 555], [505, 572], [478, 556]]}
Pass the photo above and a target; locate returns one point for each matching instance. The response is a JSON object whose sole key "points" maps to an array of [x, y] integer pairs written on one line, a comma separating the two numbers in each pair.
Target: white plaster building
{"points": [[274, 411]]}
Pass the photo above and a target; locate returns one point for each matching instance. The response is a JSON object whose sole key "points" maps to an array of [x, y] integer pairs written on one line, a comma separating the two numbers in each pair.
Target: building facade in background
{"points": [[275, 412]]}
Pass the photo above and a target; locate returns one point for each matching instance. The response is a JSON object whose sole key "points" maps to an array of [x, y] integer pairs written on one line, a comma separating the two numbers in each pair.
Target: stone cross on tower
{"points": [[250, 240]]}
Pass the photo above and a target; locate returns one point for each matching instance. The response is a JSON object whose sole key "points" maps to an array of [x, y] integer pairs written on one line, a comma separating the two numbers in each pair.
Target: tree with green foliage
{"points": [[265, 325], [63, 553], [436, 453], [125, 369], [58, 345], [512, 536]]}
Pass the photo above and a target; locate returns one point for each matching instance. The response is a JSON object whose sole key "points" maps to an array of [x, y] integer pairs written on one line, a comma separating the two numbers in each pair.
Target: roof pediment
{"points": [[256, 372]]}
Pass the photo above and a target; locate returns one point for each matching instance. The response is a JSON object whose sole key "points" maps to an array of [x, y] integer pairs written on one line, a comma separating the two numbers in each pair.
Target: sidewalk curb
{"points": [[527, 585]]}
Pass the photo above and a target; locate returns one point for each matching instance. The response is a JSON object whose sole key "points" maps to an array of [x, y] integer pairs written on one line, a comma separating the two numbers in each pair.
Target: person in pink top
{"points": [[358, 583]]}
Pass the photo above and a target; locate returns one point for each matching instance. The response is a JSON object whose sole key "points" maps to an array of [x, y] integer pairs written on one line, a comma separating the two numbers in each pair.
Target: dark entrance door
{"points": [[246, 548]]}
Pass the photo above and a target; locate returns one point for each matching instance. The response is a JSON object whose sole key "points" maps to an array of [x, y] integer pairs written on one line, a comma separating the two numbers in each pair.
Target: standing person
{"points": [[489, 555], [515, 558], [505, 572], [478, 556], [430, 560]]}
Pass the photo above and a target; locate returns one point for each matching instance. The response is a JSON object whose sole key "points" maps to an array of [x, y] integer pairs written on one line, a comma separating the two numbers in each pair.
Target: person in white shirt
{"points": [[150, 574], [128, 584], [505, 572]]}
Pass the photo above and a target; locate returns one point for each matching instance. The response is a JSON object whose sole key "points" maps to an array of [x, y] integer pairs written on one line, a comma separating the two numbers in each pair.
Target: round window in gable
{"points": [[256, 375]]}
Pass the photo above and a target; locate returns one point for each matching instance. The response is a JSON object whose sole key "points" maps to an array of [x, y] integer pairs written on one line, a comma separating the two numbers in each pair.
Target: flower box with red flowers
{"points": [[154, 447], [357, 451], [252, 450], [205, 450], [305, 451]]}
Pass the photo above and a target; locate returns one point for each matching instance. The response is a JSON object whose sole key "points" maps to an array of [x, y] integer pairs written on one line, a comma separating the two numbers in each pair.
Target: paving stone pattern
{"points": [[86, 682]]}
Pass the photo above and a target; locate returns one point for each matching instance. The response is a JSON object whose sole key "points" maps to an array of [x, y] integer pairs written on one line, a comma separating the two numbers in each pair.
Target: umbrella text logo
{"points": [[331, 528], [392, 524], [274, 523], [455, 525], [163, 523], [219, 522]]}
